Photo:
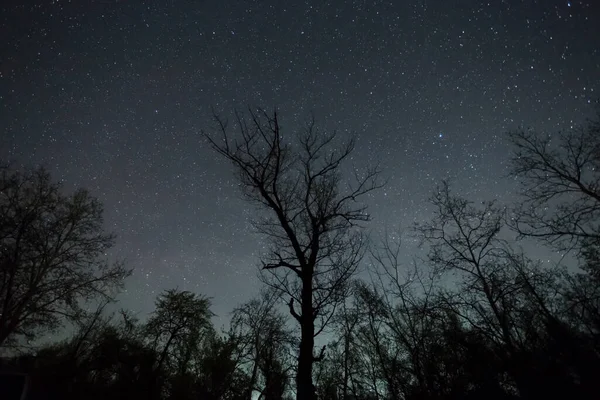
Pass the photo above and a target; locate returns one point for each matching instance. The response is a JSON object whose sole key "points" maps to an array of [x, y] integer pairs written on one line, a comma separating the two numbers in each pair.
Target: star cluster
{"points": [[112, 95]]}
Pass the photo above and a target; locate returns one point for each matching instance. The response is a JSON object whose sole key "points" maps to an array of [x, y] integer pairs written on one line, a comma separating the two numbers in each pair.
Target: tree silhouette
{"points": [[52, 249], [106, 358], [560, 174], [520, 309], [176, 326], [219, 376], [560, 177], [310, 222], [265, 342]]}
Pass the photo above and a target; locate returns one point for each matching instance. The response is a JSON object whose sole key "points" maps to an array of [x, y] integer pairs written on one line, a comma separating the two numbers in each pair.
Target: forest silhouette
{"points": [[478, 318]]}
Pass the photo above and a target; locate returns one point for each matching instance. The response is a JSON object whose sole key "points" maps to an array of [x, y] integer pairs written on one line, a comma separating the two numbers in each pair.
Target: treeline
{"points": [[175, 354], [477, 318]]}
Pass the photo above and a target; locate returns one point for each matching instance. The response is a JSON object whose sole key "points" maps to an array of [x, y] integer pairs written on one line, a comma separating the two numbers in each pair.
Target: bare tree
{"points": [[265, 340], [311, 222], [52, 249], [464, 239], [501, 295], [560, 176], [407, 297]]}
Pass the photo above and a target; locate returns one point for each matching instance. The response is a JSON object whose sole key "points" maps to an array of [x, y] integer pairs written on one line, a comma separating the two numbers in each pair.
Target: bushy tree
{"points": [[52, 255], [177, 327]]}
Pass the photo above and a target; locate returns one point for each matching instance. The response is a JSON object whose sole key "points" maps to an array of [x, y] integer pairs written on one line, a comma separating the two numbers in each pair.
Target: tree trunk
{"points": [[304, 385], [254, 373], [346, 366]]}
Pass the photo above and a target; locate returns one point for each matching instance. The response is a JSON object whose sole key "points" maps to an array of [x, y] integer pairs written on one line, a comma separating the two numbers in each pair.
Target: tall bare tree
{"points": [[52, 249], [311, 219]]}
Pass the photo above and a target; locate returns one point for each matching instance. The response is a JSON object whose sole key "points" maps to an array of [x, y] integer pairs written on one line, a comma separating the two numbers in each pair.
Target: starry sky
{"points": [[111, 95]]}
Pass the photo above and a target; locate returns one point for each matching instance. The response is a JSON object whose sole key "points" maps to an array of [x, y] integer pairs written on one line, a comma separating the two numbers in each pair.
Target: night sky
{"points": [[112, 95]]}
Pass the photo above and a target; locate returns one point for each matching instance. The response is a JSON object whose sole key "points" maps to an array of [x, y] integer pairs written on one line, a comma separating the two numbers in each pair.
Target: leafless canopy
{"points": [[561, 181], [311, 218], [265, 342]]}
